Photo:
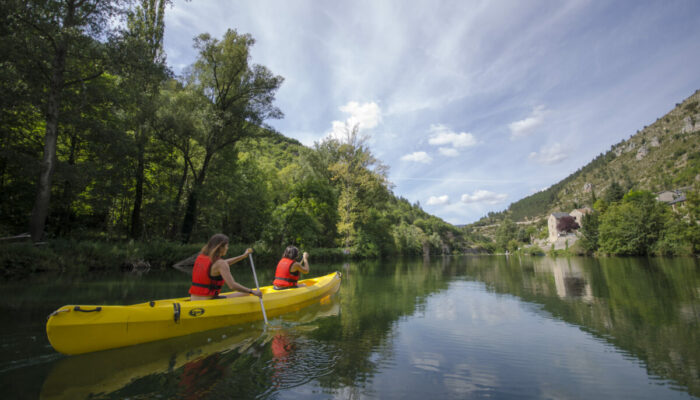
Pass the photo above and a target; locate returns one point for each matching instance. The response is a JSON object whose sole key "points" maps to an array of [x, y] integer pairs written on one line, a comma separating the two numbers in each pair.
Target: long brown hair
{"points": [[291, 252], [214, 247]]}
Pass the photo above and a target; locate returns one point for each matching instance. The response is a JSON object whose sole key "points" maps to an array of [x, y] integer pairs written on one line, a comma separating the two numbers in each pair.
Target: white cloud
{"points": [[418, 156], [339, 130], [438, 200], [448, 152], [484, 196], [365, 116], [442, 135], [549, 155], [524, 127]]}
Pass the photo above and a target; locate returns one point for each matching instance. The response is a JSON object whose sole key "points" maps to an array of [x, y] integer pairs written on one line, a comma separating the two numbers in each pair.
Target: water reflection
{"points": [[647, 308], [569, 278], [194, 363], [449, 327]]}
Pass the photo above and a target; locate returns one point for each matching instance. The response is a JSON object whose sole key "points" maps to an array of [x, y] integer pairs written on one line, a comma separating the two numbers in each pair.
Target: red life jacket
{"points": [[203, 283], [284, 277]]}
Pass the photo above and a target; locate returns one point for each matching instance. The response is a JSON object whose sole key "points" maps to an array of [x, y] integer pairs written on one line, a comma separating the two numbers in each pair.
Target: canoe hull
{"points": [[82, 329]]}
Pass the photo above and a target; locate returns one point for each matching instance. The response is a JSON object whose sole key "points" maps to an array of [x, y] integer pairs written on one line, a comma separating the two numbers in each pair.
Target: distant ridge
{"points": [[662, 156]]}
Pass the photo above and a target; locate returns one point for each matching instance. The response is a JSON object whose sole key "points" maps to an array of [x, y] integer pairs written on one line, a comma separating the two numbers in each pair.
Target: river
{"points": [[448, 327]]}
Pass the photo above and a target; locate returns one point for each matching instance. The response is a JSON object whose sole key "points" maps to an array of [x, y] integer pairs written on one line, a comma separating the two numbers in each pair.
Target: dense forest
{"points": [[99, 141]]}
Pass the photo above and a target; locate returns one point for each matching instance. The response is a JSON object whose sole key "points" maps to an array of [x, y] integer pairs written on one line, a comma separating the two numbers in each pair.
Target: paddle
{"points": [[257, 286]]}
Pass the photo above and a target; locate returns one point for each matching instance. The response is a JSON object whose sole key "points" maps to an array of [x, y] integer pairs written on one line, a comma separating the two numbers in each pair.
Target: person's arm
{"points": [[302, 267], [233, 260], [224, 270]]}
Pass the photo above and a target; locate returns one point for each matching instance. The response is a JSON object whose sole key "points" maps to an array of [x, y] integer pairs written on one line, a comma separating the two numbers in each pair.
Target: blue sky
{"points": [[473, 105]]}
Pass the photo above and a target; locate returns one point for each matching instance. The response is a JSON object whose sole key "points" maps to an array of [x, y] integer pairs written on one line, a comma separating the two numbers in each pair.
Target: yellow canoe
{"points": [[112, 370], [74, 329]]}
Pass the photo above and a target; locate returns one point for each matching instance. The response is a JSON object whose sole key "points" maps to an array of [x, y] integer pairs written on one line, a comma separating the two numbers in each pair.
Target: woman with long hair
{"points": [[289, 269], [211, 270]]}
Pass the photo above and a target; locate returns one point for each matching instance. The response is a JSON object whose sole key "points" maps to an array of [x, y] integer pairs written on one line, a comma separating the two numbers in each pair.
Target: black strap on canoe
{"points": [[176, 312], [96, 309]]}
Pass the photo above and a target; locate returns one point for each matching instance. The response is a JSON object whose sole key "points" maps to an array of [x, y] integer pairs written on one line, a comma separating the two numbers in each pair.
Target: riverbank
{"points": [[20, 260]]}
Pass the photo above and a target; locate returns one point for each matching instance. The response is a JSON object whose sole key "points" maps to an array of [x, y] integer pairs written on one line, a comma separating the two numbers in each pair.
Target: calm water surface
{"points": [[448, 328]]}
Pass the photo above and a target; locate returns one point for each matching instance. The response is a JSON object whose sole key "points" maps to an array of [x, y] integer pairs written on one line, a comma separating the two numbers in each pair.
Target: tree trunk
{"points": [[48, 164], [190, 215], [65, 214], [191, 208], [176, 202], [138, 195]]}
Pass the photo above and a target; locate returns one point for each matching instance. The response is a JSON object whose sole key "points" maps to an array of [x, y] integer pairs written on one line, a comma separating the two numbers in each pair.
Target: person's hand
{"points": [[248, 251], [306, 255], [256, 292]]}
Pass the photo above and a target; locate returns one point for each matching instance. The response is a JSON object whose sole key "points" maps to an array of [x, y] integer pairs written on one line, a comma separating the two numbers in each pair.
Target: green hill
{"points": [[662, 156]]}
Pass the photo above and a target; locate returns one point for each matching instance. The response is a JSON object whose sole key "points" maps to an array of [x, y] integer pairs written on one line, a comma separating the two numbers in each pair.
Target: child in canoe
{"points": [[288, 269], [211, 270]]}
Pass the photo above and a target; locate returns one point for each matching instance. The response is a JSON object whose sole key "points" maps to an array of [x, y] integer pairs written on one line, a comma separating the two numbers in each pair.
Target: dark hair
{"points": [[291, 252], [213, 247]]}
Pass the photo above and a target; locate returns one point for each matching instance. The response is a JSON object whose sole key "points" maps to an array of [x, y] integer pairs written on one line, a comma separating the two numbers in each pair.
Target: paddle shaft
{"points": [[255, 276]]}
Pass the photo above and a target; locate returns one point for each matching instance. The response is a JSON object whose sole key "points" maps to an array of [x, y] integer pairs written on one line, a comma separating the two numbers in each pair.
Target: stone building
{"points": [[579, 213], [552, 221]]}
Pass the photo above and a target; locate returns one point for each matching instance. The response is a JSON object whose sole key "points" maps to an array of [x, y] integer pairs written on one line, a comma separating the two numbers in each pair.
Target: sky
{"points": [[472, 105]]}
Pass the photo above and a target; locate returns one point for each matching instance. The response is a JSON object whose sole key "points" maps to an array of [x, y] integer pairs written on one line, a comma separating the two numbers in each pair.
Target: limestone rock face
{"points": [[642, 152], [654, 142], [587, 187], [631, 146], [689, 126]]}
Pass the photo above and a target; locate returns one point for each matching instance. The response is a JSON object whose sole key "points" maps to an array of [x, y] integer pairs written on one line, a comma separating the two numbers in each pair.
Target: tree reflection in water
{"points": [[359, 344]]}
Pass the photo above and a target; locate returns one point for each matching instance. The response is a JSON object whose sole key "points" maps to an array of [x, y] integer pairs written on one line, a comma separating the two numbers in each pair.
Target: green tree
{"points": [[693, 206], [408, 239], [506, 232], [306, 214], [614, 193], [143, 69], [512, 245], [531, 233], [361, 181], [180, 124], [239, 98], [239, 200], [675, 239], [632, 226], [58, 49], [600, 206], [589, 232]]}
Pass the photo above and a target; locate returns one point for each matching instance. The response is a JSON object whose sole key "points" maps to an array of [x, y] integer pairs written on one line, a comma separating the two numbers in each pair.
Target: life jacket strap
{"points": [[213, 287], [286, 280]]}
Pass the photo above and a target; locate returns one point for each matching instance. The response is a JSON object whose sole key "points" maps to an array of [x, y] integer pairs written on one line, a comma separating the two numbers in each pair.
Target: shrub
{"points": [[532, 251]]}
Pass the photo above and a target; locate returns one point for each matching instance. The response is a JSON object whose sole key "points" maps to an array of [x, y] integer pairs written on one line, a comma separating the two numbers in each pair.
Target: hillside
{"points": [[662, 156]]}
